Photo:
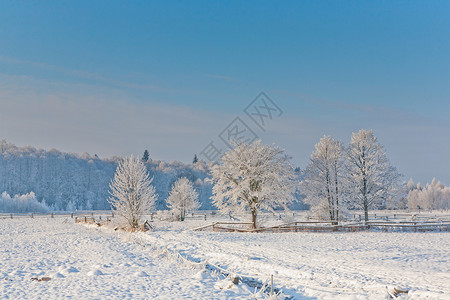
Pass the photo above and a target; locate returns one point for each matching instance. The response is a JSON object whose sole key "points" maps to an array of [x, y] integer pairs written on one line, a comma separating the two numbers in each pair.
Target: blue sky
{"points": [[116, 77]]}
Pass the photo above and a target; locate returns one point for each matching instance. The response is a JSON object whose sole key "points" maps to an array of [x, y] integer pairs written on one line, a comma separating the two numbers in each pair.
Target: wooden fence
{"points": [[34, 215], [79, 216], [319, 226]]}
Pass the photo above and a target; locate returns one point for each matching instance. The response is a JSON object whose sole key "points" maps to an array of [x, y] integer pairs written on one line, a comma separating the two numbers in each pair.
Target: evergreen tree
{"points": [[145, 156], [195, 160]]}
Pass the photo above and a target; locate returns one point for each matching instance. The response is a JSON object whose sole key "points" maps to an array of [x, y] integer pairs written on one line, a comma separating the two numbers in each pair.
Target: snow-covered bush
{"points": [[132, 194], [182, 198], [253, 178], [21, 203]]}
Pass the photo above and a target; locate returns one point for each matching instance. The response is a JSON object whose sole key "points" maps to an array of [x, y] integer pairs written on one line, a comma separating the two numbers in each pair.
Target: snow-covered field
{"points": [[344, 265], [85, 263], [99, 262]]}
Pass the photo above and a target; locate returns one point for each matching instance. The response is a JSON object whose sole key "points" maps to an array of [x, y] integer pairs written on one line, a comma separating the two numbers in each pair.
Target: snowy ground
{"points": [[98, 262], [341, 265], [90, 264]]}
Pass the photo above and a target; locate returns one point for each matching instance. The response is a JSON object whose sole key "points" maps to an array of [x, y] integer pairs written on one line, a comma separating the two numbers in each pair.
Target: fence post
{"points": [[11, 216], [32, 215], [51, 215], [271, 284], [71, 215], [205, 217]]}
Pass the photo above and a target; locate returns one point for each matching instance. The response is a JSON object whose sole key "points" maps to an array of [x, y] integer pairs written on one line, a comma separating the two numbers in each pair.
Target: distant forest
{"points": [[67, 181]]}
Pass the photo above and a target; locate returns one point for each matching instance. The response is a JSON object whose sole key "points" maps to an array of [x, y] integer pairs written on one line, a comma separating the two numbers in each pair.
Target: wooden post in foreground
{"points": [[271, 284]]}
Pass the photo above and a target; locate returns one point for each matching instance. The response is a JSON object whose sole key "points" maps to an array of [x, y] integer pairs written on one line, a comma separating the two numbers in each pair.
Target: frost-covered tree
{"points": [[253, 178], [372, 181], [131, 192], [322, 179], [434, 195], [182, 198], [83, 180], [21, 203]]}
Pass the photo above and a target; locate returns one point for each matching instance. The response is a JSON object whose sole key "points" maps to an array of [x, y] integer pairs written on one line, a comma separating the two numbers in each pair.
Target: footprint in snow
{"points": [[56, 275], [141, 274]]}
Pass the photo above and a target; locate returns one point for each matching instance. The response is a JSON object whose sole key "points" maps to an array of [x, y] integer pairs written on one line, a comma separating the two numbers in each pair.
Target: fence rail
{"points": [[52, 215], [381, 220], [329, 227], [33, 215]]}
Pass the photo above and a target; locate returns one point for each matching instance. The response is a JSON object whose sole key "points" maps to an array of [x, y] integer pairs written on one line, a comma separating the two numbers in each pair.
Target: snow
{"points": [[359, 265], [98, 262], [88, 263]]}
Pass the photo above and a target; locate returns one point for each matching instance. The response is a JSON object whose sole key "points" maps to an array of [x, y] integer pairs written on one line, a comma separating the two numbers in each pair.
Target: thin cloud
{"points": [[85, 119], [81, 74]]}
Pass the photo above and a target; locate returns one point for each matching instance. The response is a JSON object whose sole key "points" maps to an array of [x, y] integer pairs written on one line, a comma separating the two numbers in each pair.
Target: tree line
{"points": [[67, 181], [249, 179], [256, 177]]}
